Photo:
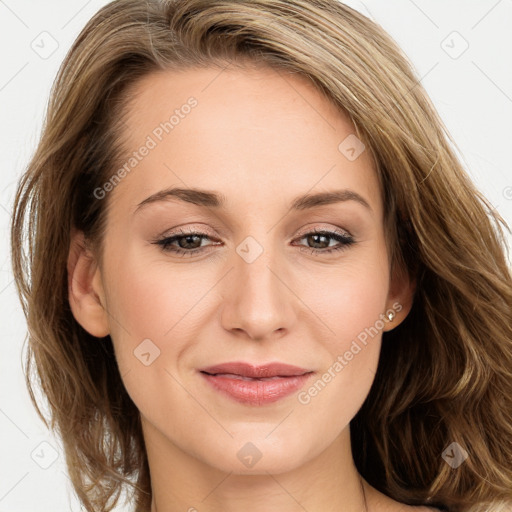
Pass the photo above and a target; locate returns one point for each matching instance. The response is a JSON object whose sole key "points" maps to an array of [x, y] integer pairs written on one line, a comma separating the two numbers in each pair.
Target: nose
{"points": [[259, 302]]}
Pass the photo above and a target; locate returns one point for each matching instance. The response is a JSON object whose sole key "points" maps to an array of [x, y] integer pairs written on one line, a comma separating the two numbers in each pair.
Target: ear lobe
{"points": [[85, 290], [400, 298]]}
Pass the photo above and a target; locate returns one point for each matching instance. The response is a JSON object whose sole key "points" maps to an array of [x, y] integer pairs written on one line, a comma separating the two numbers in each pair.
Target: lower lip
{"points": [[257, 392]]}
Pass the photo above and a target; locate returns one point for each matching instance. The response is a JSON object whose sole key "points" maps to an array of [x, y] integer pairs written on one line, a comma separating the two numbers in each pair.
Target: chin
{"points": [[258, 456]]}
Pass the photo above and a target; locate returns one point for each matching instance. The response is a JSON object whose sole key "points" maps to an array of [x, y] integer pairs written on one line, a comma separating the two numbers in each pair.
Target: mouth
{"points": [[242, 377], [256, 385], [249, 370]]}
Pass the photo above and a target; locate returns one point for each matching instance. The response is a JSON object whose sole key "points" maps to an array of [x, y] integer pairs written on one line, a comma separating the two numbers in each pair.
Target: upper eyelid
{"points": [[206, 236], [204, 232], [324, 230]]}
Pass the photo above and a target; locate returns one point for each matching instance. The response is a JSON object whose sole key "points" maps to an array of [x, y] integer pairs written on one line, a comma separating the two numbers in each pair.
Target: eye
{"points": [[189, 243], [321, 237]]}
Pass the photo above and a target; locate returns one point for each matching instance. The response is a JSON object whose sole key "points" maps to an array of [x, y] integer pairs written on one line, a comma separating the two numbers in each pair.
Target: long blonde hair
{"points": [[444, 375]]}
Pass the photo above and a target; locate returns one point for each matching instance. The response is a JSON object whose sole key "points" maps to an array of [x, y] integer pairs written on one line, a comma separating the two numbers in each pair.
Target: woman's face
{"points": [[258, 286]]}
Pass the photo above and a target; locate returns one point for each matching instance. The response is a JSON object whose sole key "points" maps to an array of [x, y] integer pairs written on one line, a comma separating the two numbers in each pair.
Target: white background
{"points": [[473, 94]]}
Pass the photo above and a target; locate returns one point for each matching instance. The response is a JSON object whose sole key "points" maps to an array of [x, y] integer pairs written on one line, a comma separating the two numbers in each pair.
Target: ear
{"points": [[85, 289], [400, 298]]}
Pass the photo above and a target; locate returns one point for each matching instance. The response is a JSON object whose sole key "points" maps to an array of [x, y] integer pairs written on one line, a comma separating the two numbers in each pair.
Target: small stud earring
{"points": [[391, 315]]}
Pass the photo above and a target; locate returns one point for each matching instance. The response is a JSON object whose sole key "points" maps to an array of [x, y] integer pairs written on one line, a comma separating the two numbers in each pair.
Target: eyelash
{"points": [[344, 239]]}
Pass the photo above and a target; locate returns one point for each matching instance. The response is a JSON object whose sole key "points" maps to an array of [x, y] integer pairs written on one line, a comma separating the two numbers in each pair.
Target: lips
{"points": [[247, 370], [255, 385]]}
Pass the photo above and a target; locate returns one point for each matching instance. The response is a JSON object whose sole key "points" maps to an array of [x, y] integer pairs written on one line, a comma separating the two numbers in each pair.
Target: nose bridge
{"points": [[255, 263], [258, 300]]}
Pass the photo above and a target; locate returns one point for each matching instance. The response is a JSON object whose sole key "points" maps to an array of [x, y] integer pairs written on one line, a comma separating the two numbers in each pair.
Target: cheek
{"points": [[152, 325], [158, 314], [350, 297], [151, 303], [350, 303]]}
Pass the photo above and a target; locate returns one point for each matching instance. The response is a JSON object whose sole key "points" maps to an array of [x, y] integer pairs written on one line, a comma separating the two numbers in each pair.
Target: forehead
{"points": [[256, 134]]}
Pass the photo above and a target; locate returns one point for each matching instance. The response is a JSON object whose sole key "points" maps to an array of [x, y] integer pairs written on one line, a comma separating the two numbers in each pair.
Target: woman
{"points": [[338, 336]]}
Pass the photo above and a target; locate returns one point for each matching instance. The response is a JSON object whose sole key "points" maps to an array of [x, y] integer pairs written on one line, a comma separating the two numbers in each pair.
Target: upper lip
{"points": [[249, 370]]}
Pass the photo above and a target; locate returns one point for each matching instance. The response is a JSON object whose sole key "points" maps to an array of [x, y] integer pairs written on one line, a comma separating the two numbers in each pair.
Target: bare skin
{"points": [[261, 139]]}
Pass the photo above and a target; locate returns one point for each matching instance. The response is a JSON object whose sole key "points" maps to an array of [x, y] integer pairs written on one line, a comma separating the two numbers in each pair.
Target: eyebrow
{"points": [[211, 199]]}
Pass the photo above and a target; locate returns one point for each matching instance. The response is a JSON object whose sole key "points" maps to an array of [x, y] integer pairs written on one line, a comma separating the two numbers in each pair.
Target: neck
{"points": [[183, 482]]}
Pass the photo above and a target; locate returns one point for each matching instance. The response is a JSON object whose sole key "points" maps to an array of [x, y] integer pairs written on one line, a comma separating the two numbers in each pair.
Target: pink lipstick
{"points": [[256, 385]]}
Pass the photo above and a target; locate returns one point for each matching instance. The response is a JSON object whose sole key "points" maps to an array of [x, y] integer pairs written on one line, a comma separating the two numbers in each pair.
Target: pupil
{"points": [[316, 236], [188, 238]]}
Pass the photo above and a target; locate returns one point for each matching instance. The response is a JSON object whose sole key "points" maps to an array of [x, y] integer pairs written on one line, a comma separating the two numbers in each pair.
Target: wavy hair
{"points": [[444, 375]]}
